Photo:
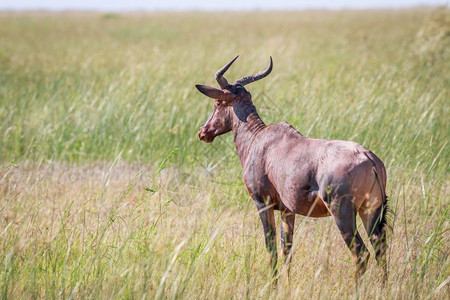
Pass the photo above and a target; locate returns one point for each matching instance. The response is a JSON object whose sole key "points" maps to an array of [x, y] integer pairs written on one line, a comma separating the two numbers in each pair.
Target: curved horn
{"points": [[249, 79], [219, 74]]}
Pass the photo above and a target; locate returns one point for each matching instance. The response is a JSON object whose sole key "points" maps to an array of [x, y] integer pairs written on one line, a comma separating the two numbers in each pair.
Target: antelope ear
{"points": [[214, 93]]}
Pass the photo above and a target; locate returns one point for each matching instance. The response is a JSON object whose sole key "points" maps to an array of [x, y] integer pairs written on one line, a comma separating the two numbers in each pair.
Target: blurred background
{"points": [[213, 5]]}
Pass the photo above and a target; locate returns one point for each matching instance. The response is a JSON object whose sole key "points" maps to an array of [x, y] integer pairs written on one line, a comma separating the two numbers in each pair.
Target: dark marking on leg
{"points": [[266, 213], [344, 214], [287, 234]]}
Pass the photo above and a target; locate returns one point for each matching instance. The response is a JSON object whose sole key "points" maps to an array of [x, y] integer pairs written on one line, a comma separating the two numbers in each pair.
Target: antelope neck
{"points": [[246, 125]]}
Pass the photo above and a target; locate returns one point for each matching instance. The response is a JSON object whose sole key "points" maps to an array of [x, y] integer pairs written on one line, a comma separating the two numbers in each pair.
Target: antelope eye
{"points": [[220, 103]]}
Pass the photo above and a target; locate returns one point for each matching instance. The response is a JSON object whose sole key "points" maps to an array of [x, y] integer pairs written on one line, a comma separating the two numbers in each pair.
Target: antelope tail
{"points": [[386, 212]]}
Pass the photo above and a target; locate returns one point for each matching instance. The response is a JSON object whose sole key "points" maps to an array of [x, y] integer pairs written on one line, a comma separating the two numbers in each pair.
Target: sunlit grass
{"points": [[105, 191]]}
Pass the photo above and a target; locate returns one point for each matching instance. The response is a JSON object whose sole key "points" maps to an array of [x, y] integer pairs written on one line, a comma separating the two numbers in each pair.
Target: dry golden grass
{"points": [[98, 231]]}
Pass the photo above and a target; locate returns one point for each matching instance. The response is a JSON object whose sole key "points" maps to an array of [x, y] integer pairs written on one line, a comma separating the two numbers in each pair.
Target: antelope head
{"points": [[220, 120]]}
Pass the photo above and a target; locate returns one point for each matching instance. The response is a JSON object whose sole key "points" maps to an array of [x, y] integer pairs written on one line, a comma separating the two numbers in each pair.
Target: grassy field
{"points": [[105, 191]]}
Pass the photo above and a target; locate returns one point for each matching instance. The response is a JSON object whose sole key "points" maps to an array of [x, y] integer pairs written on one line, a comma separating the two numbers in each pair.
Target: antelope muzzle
{"points": [[204, 135]]}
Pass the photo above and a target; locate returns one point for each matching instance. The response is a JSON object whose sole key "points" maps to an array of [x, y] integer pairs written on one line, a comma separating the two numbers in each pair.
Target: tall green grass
{"points": [[105, 191]]}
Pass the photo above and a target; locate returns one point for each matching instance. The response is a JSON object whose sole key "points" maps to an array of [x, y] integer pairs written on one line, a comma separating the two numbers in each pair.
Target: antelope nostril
{"points": [[201, 134]]}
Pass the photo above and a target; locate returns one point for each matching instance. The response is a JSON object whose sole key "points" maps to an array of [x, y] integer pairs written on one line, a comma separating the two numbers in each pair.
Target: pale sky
{"points": [[110, 5]]}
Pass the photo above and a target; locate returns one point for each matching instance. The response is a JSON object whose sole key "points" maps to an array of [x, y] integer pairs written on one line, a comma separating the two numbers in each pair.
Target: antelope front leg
{"points": [[268, 221], [287, 233]]}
